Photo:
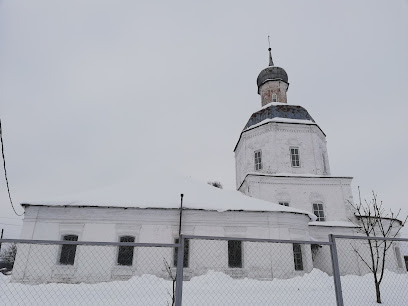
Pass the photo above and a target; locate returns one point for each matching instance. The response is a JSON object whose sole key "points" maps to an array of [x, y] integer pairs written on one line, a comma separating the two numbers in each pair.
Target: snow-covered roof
{"points": [[159, 191], [281, 120], [279, 110]]}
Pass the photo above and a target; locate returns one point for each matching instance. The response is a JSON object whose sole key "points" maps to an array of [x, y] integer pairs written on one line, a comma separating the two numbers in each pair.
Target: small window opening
{"points": [[258, 160], [284, 203], [297, 257], [294, 157], [186, 253], [318, 211], [406, 262], [274, 98], [67, 256], [125, 254], [234, 253]]}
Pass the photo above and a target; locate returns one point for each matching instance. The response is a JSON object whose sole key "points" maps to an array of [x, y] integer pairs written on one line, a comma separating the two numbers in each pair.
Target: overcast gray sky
{"points": [[93, 92]]}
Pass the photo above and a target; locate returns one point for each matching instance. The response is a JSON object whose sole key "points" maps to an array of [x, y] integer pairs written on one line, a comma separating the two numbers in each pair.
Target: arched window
{"points": [[67, 255], [125, 254], [274, 98]]}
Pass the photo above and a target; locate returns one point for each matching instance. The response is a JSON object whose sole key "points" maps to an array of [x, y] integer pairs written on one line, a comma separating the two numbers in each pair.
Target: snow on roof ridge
{"points": [[275, 103], [282, 120]]}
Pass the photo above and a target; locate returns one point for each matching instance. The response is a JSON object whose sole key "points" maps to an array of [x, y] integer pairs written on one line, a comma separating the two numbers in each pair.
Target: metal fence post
{"points": [[336, 271], [179, 273]]}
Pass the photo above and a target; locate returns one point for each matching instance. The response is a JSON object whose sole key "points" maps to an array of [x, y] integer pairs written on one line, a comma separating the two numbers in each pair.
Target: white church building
{"points": [[285, 190]]}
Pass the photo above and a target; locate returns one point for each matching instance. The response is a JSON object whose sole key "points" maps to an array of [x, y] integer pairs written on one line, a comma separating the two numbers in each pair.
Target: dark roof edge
{"points": [[249, 128], [165, 208], [292, 176]]}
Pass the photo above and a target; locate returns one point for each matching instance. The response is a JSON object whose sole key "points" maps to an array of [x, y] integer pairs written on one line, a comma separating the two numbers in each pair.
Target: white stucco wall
{"points": [[302, 192], [275, 139], [39, 263]]}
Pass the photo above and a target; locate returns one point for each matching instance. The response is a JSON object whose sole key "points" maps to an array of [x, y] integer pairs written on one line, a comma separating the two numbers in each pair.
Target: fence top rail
{"points": [[256, 240], [369, 238], [94, 243]]}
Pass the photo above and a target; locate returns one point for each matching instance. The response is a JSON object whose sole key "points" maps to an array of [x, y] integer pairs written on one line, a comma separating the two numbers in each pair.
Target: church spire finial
{"points": [[270, 53]]}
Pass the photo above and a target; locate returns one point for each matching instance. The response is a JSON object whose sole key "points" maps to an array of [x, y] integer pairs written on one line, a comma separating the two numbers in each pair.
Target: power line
{"points": [[5, 171]]}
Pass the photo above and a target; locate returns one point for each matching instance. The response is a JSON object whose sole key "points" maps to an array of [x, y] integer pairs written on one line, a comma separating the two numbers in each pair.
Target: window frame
{"points": [[122, 249], [67, 260], [186, 255], [318, 215], [292, 159], [274, 97], [297, 256], [258, 160], [284, 203], [232, 256]]}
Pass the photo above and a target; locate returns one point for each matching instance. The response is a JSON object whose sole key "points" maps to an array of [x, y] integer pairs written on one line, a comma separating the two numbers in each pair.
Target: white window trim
{"points": [[290, 156], [274, 97]]}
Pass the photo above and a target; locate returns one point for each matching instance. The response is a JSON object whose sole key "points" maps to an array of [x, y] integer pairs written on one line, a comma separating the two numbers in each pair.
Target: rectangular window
{"points": [[294, 157], [186, 253], [67, 256], [258, 160], [125, 254], [406, 262], [297, 257], [234, 253], [284, 203], [318, 211]]}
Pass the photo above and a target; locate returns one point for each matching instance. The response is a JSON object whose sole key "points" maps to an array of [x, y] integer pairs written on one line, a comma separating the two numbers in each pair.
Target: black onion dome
{"points": [[272, 73], [279, 111]]}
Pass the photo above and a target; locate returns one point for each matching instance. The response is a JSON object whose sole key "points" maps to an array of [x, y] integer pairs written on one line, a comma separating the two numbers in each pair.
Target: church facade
{"points": [[285, 190]]}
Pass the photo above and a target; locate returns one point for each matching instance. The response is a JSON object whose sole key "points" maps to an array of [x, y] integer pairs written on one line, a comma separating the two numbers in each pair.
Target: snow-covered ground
{"points": [[214, 288]]}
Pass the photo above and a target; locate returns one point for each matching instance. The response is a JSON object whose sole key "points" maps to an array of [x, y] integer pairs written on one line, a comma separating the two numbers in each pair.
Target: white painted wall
{"points": [[39, 263], [302, 192], [274, 139]]}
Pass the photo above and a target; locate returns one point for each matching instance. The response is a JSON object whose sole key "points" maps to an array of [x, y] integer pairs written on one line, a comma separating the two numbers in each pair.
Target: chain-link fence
{"points": [[363, 262], [72, 272], [241, 271], [216, 271]]}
